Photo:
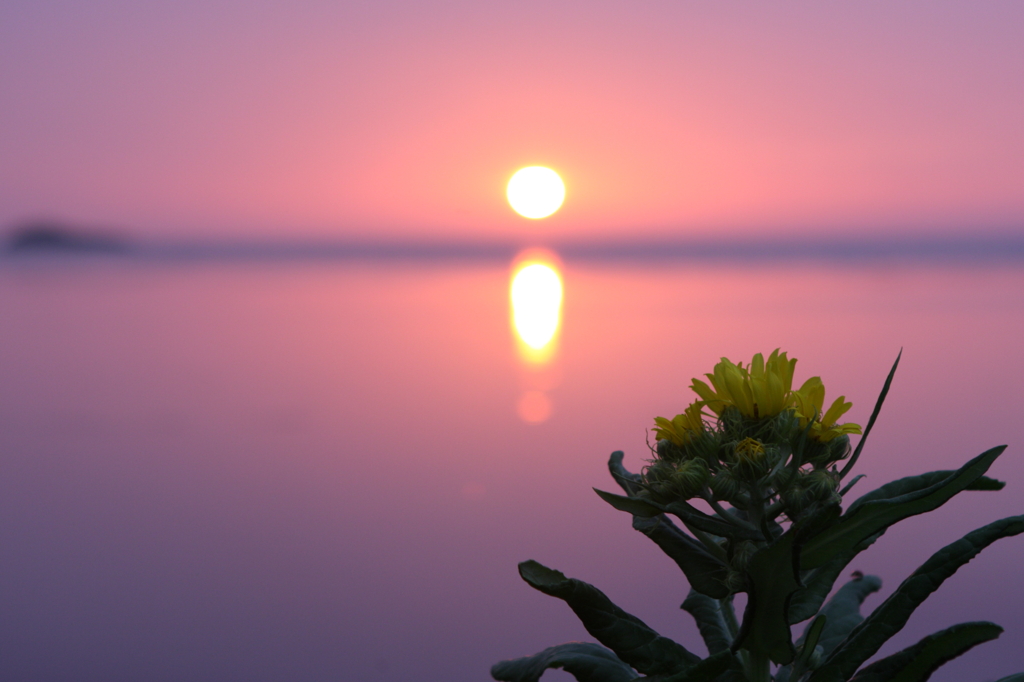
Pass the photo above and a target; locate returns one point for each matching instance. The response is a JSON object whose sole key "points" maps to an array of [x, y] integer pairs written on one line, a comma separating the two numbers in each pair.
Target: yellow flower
{"points": [[682, 427], [763, 389], [808, 403], [750, 449]]}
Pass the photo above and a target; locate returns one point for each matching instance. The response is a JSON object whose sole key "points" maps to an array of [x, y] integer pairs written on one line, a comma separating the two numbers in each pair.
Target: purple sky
{"points": [[357, 119]]}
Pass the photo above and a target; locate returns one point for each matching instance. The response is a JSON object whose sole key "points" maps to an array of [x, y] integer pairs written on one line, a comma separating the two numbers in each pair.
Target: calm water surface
{"points": [[329, 471]]}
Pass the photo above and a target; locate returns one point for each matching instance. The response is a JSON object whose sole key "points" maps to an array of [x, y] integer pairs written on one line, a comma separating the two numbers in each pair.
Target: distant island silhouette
{"points": [[55, 237]]}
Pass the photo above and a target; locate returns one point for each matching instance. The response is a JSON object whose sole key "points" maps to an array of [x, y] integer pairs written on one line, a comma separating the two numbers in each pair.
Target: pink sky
{"points": [[367, 120]]}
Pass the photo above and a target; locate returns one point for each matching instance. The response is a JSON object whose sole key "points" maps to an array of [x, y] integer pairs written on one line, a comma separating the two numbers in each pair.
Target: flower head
{"points": [[762, 389], [808, 403], [682, 427]]}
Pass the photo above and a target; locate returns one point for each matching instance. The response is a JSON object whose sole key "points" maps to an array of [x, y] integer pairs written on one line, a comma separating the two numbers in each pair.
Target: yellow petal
{"points": [[776, 398], [757, 366], [739, 391], [837, 410], [708, 396]]}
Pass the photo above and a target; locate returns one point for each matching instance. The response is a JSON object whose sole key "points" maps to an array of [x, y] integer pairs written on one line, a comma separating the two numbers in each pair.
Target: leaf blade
{"points": [[876, 515], [843, 610], [686, 512], [586, 661], [708, 615], [892, 615], [916, 663], [626, 635], [873, 417], [818, 583], [911, 484], [705, 572]]}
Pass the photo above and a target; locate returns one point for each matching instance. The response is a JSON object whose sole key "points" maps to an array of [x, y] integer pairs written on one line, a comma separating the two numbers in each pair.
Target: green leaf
{"points": [[707, 670], [807, 644], [809, 640], [876, 515], [892, 615], [818, 583], [628, 636], [772, 576], [686, 512], [918, 662], [910, 484], [843, 610], [587, 662], [632, 505], [705, 572], [1019, 677], [874, 416], [627, 481], [712, 627]]}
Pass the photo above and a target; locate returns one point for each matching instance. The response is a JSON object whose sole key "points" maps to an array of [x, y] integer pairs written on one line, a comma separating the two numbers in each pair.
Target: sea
{"points": [[235, 466]]}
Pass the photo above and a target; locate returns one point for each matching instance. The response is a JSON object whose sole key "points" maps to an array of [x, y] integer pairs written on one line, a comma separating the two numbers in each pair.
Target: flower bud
{"points": [[735, 581], [742, 552], [821, 484], [838, 448], [691, 477], [725, 485], [796, 497], [750, 457]]}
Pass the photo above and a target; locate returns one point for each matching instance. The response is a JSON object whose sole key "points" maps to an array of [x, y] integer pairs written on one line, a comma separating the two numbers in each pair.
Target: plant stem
{"points": [[729, 615], [725, 513], [758, 667], [712, 546]]}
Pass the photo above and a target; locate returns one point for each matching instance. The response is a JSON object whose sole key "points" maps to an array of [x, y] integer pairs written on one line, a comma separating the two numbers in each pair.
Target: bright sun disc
{"points": [[535, 192]]}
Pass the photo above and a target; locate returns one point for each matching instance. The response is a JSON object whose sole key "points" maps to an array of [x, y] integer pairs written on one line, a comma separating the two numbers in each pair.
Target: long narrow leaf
{"points": [[705, 572], [585, 661], [628, 636], [809, 640], [818, 583], [709, 619], [916, 663], [805, 651], [711, 669], [686, 512], [911, 484], [874, 416], [892, 615], [877, 515]]}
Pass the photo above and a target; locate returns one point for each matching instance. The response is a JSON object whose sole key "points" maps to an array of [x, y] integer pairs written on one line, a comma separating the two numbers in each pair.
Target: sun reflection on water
{"points": [[536, 294]]}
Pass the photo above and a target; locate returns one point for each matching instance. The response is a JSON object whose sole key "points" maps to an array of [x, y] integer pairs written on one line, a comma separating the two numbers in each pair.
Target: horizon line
{"points": [[840, 248]]}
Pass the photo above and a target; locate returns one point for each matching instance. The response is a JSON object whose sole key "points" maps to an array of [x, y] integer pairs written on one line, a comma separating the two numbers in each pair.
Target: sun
{"points": [[535, 192]]}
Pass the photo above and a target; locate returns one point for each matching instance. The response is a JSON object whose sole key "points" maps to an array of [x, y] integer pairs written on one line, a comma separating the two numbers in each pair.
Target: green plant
{"points": [[769, 462]]}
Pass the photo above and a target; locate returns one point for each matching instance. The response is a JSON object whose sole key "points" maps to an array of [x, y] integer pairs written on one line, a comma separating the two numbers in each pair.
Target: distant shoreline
{"points": [[43, 240]]}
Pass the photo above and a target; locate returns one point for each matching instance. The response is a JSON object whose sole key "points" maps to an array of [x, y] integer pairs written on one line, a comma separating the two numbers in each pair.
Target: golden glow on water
{"points": [[536, 294], [535, 192]]}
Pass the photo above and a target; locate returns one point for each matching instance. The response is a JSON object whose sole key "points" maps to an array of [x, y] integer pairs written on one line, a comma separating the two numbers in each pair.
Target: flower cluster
{"points": [[752, 441]]}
